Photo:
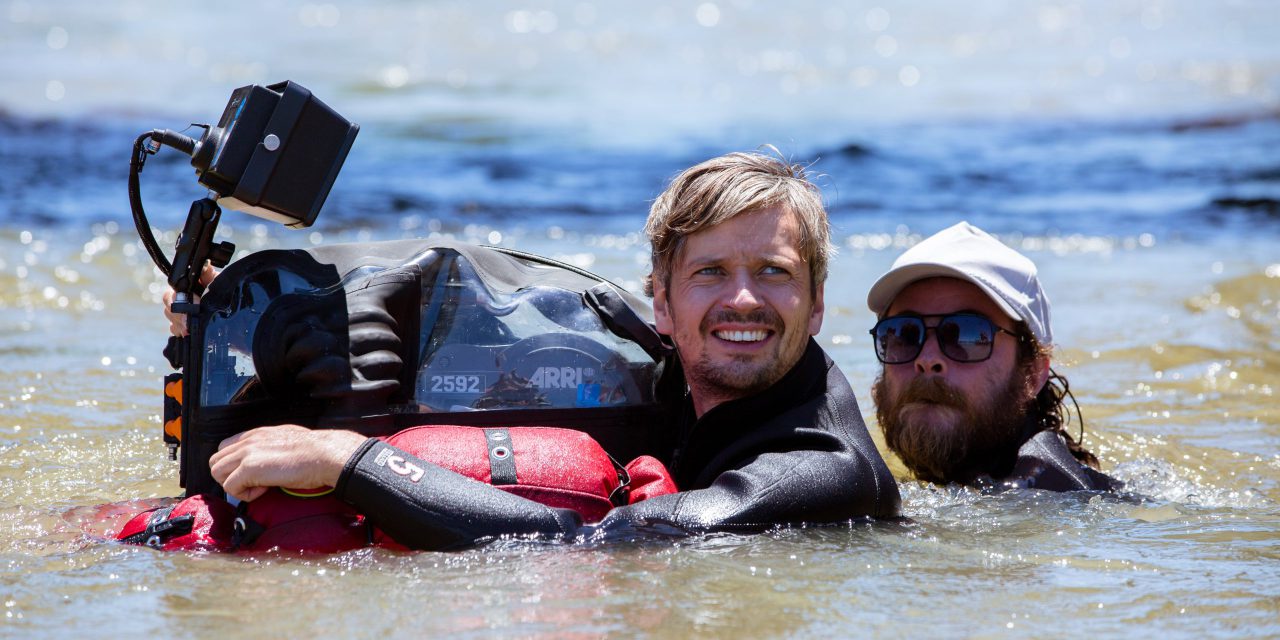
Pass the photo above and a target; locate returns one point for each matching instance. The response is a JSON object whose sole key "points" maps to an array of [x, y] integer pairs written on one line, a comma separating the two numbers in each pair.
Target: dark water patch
{"points": [[1095, 178], [490, 210], [33, 215], [1228, 121], [1266, 206], [376, 204], [503, 169], [979, 177], [460, 130], [849, 151], [971, 180], [12, 353], [403, 203], [1268, 174], [853, 207]]}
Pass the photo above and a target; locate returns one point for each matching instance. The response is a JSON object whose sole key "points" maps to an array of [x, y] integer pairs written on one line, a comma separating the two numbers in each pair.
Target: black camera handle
{"points": [[195, 246]]}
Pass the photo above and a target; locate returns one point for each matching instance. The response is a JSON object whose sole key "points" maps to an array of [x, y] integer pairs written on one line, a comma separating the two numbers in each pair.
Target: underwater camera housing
{"points": [[379, 337], [382, 336]]}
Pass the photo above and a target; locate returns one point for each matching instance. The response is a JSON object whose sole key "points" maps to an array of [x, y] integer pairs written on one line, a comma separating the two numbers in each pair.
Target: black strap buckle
{"points": [[622, 494], [160, 528]]}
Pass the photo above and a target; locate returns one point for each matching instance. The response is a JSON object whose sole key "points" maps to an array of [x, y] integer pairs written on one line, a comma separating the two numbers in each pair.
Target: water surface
{"points": [[1129, 148]]}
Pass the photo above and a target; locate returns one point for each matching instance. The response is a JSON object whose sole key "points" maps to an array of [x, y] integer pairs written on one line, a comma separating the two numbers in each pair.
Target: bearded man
{"points": [[976, 402]]}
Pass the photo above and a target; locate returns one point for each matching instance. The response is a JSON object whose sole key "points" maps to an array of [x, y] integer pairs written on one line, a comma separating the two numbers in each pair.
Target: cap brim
{"points": [[889, 285]]}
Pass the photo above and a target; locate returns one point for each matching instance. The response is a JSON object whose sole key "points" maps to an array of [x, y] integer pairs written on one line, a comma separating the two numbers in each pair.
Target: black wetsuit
{"points": [[1045, 462], [798, 452]]}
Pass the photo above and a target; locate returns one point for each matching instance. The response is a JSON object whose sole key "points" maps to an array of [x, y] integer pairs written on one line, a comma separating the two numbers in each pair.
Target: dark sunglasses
{"points": [[963, 337]]}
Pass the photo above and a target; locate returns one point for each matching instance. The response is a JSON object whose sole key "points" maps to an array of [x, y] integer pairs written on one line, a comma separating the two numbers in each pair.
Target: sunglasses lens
{"points": [[898, 340], [966, 338], [961, 337]]}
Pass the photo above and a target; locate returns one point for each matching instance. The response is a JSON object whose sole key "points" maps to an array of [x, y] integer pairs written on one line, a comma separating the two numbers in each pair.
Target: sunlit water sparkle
{"points": [[1129, 148]]}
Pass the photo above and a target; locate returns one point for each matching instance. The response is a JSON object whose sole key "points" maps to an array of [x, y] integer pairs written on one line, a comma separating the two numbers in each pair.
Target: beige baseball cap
{"points": [[966, 252]]}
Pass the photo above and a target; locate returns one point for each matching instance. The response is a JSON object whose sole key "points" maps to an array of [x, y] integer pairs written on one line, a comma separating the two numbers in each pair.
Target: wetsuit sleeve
{"points": [[774, 488], [1045, 462], [424, 506]]}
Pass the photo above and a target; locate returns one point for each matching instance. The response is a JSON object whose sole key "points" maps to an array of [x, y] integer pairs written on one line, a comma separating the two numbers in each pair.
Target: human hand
{"points": [[249, 463], [178, 321]]}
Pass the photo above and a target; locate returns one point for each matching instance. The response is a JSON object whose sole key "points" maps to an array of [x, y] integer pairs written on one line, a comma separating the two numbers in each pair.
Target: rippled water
{"points": [[1152, 207]]}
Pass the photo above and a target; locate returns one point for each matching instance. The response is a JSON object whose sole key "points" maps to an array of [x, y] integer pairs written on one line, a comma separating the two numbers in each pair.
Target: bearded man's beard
{"points": [[981, 439]]}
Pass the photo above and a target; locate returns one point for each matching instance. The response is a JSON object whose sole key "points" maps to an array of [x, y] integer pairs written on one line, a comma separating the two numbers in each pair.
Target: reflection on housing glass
{"points": [[482, 345], [538, 347]]}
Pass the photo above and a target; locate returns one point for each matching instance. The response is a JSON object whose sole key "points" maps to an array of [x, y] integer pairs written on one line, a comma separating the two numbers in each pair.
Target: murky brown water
{"points": [[1173, 350], [1150, 125]]}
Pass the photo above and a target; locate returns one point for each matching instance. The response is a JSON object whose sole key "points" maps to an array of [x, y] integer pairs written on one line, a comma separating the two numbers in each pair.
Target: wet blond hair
{"points": [[715, 191]]}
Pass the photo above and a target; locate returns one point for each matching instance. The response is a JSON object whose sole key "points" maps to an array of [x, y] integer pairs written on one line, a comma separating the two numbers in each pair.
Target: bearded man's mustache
{"points": [[933, 391]]}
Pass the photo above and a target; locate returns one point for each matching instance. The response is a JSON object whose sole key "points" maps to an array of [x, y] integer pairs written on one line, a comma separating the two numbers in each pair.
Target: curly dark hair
{"points": [[1049, 408]]}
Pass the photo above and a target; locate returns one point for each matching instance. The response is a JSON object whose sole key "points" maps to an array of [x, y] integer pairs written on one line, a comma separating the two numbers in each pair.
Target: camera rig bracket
{"points": [[274, 153]]}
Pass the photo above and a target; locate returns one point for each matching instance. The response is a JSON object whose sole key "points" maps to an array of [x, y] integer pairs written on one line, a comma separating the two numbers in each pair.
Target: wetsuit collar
{"points": [[999, 462], [704, 438]]}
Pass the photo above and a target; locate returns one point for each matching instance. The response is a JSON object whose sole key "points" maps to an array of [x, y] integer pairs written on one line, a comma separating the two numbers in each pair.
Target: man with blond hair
{"points": [[766, 429]]}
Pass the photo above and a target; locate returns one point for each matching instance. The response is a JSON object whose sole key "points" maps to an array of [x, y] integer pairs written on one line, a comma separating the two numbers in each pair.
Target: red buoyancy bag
{"points": [[557, 467], [198, 523], [649, 479]]}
